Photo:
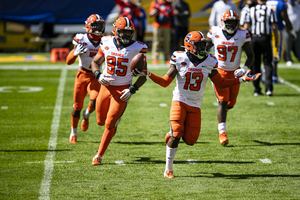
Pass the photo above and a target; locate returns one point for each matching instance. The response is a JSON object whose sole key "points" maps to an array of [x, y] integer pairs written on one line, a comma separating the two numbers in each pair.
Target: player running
{"points": [[229, 41], [192, 68], [116, 53], [86, 46]]}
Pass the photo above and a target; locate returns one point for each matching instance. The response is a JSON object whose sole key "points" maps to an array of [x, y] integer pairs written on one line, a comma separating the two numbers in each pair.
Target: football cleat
{"points": [[168, 174], [73, 138], [155, 62], [85, 122], [223, 139], [97, 160], [167, 137]]}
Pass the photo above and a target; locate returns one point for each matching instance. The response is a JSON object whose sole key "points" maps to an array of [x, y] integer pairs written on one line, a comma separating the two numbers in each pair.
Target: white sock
{"points": [[86, 113], [222, 127], [73, 131], [170, 155]]}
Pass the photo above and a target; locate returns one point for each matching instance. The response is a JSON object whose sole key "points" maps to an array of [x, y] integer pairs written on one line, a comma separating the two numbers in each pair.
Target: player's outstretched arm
{"points": [[164, 81], [223, 83]]}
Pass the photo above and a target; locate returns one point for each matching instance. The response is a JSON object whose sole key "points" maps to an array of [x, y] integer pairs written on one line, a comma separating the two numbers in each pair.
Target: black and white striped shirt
{"points": [[260, 19]]}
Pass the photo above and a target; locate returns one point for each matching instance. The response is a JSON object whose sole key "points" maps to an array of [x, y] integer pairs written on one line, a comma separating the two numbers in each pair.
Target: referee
{"points": [[258, 22]]}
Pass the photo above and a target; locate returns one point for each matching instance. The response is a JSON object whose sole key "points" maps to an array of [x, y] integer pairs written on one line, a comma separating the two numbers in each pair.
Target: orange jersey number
{"points": [[196, 86], [115, 65], [223, 52]]}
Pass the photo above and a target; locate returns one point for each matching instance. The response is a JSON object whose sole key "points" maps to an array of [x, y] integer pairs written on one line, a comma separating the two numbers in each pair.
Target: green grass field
{"points": [[37, 162]]}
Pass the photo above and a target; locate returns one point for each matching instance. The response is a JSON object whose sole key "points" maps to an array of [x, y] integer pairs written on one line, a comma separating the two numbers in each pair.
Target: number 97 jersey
{"points": [[228, 50]]}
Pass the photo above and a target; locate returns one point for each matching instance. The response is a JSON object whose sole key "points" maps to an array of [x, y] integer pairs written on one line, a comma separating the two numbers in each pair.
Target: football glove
{"points": [[240, 72], [103, 81], [137, 72], [248, 77], [126, 93], [80, 49]]}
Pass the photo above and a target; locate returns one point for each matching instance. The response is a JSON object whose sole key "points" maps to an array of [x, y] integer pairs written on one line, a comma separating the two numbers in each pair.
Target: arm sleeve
{"points": [[164, 81], [223, 83], [71, 58]]}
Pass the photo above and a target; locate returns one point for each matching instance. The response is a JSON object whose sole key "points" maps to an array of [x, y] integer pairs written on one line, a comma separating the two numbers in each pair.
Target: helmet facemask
{"points": [[199, 49], [124, 36], [230, 26], [98, 28]]}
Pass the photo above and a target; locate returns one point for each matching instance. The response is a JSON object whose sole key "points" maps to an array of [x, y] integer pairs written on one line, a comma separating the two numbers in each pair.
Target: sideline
{"points": [[49, 160]]}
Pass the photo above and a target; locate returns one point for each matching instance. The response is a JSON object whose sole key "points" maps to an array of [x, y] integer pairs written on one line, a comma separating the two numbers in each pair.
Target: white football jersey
{"points": [[228, 50], [117, 59], [191, 77], [92, 46]]}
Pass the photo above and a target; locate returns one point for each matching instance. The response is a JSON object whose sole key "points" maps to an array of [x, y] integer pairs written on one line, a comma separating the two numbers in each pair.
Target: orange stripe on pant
{"points": [[228, 94], [185, 122], [84, 83]]}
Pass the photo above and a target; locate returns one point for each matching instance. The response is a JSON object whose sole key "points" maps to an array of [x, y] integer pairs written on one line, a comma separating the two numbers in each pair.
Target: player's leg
{"points": [[116, 108], [277, 52], [192, 125], [267, 60], [256, 67], [93, 90], [177, 118], [222, 98], [167, 40], [79, 94], [155, 46]]}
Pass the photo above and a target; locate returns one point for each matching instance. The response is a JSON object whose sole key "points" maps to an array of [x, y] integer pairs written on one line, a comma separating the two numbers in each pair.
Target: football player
{"points": [[192, 68], [86, 46], [115, 53], [229, 41]]}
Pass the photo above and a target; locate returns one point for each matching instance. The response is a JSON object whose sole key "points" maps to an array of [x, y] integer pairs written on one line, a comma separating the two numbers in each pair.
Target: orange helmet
{"points": [[195, 43], [95, 25], [123, 29], [230, 21]]}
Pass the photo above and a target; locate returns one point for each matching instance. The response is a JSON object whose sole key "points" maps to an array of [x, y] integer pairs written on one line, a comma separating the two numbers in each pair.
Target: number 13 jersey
{"points": [[191, 77]]}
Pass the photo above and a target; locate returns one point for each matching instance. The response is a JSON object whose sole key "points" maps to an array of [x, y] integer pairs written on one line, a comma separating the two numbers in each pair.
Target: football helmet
{"points": [[123, 29], [230, 21], [195, 43], [95, 25]]}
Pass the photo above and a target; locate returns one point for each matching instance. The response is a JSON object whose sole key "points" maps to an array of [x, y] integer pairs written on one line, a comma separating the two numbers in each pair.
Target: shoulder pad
{"points": [[79, 36]]}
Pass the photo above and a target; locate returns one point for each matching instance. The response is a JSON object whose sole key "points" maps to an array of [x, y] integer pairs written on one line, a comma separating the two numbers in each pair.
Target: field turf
{"points": [[37, 162]]}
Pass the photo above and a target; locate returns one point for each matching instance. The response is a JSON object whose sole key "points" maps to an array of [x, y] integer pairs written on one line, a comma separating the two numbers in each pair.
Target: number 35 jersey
{"points": [[228, 50], [117, 59], [191, 77]]}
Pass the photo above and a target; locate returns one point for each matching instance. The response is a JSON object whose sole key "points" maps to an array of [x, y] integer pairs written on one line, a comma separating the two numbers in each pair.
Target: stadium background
{"points": [[20, 21]]}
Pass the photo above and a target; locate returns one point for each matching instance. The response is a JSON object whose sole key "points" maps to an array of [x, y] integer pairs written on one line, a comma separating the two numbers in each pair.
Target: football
{"points": [[137, 62]]}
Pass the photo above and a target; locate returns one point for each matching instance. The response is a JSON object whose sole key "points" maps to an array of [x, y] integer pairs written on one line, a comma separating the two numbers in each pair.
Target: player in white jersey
{"points": [[229, 41], [192, 69], [86, 46], [116, 53]]}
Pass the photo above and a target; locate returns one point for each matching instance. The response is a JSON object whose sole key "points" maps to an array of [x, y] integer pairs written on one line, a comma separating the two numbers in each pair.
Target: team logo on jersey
{"points": [[84, 43], [183, 64], [217, 36], [106, 47]]}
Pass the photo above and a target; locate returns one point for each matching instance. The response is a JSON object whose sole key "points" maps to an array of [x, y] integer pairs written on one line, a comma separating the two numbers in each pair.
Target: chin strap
{"points": [[95, 37]]}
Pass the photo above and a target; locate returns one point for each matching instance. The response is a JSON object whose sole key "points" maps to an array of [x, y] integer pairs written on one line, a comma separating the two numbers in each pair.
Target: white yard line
{"points": [[290, 84], [49, 160]]}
